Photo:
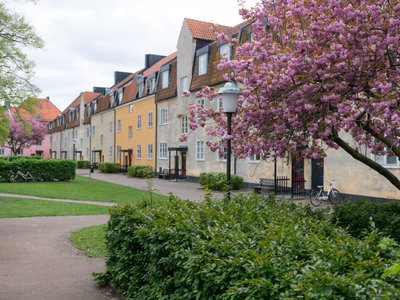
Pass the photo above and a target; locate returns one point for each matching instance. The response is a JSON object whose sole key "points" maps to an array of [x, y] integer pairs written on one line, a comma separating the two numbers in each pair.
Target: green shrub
{"points": [[12, 158], [217, 181], [109, 167], [140, 171], [356, 217], [248, 248], [83, 164], [48, 169]]}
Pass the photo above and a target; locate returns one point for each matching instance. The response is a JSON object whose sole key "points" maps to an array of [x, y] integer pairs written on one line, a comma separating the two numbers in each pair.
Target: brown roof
{"points": [[46, 109], [161, 62], [87, 97], [170, 91], [202, 30], [130, 77]]}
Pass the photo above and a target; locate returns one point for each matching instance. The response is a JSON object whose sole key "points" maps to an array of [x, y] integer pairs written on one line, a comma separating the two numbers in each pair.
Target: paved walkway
{"points": [[39, 263]]}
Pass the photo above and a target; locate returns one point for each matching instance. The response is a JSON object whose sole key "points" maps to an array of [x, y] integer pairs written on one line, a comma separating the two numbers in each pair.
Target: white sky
{"points": [[87, 40]]}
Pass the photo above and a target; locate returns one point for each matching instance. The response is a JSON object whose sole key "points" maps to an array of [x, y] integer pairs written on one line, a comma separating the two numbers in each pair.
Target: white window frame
{"points": [[163, 115], [149, 119], [152, 84], [203, 64], [110, 152], [93, 130], [101, 118], [184, 84], [2, 151], [184, 125], [226, 49], [130, 134], [118, 151], [220, 106], [130, 108], [163, 153], [140, 89], [200, 102], [139, 151], [383, 160], [200, 150], [111, 127], [222, 148], [88, 132], [165, 79], [119, 125], [150, 151], [253, 158], [139, 121]]}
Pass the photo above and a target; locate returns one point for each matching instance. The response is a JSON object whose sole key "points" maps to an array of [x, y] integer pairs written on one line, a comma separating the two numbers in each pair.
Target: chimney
{"points": [[48, 98]]}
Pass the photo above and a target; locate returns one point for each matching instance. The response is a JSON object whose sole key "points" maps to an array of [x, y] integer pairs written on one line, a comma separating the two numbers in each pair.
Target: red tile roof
{"points": [[46, 109], [87, 97], [201, 30], [170, 91]]}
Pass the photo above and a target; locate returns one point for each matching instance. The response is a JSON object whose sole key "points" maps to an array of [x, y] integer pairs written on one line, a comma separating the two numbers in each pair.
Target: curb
{"points": [[115, 291]]}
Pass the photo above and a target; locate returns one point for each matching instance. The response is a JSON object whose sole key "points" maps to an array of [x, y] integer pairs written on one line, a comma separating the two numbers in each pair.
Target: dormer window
{"points": [[152, 84], [112, 99], [38, 117], [226, 50], [94, 106], [120, 95], [88, 109], [184, 84], [140, 89], [70, 117], [202, 60], [164, 79]]}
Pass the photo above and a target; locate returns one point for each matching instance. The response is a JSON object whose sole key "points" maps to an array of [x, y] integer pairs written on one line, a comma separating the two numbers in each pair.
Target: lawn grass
{"points": [[21, 207], [82, 188], [91, 240]]}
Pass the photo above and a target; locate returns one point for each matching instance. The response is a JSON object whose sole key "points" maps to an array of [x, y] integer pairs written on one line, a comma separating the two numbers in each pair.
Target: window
{"points": [[139, 121], [163, 115], [39, 143], [50, 139], [149, 151], [119, 125], [2, 151], [152, 84], [112, 96], [184, 123], [93, 130], [118, 151], [184, 84], [130, 132], [255, 158], [111, 127], [150, 119], [225, 50], [101, 140], [165, 79], [220, 106], [120, 96], [88, 109], [222, 152], [130, 108], [81, 143], [138, 151], [101, 119], [87, 132], [110, 151], [87, 153], [140, 89], [200, 102], [163, 150], [199, 150], [94, 106], [70, 117], [389, 160], [203, 64]]}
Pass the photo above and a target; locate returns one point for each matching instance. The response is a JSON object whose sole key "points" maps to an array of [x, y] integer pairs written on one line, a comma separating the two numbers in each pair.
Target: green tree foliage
{"points": [[16, 70]]}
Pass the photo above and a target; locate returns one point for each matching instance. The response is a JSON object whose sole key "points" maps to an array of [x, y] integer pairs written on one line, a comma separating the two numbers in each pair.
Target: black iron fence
{"points": [[282, 185], [298, 189]]}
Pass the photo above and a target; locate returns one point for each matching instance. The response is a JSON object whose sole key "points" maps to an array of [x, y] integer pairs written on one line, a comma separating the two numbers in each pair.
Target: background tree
{"points": [[25, 133], [320, 73], [16, 70]]}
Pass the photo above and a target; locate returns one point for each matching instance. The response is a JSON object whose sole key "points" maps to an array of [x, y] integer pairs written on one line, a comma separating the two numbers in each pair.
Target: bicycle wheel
{"points": [[315, 198], [334, 197]]}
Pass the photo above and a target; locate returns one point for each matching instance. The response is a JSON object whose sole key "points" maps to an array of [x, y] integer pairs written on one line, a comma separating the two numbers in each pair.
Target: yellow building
{"points": [[135, 118]]}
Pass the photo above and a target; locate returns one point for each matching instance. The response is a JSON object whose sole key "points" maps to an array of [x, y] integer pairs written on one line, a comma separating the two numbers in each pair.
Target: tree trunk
{"points": [[369, 162]]}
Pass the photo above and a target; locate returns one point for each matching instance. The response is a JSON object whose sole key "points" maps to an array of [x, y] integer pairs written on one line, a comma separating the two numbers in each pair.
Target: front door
{"points": [[183, 156], [317, 173], [298, 178]]}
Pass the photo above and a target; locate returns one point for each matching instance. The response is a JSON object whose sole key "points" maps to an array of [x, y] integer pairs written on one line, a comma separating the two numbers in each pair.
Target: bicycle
{"points": [[333, 195], [17, 175]]}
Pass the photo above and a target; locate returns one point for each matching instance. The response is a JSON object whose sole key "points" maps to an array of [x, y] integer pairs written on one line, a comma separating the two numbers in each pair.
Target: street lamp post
{"points": [[230, 95], [74, 143]]}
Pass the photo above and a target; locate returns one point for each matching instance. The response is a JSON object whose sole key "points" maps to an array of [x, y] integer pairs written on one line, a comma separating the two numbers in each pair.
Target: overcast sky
{"points": [[87, 40]]}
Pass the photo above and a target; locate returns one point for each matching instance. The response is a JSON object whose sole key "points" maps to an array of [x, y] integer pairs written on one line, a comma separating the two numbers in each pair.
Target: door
{"points": [[183, 156], [317, 173], [298, 177]]}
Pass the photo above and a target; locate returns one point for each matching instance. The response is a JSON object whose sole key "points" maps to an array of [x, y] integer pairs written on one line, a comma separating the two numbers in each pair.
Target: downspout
{"points": [[155, 143], [115, 134]]}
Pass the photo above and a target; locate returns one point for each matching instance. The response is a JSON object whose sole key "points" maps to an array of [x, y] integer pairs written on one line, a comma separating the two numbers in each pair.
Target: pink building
{"points": [[47, 112]]}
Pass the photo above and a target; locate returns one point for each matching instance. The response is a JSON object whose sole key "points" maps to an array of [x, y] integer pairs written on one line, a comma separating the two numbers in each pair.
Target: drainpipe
{"points": [[155, 143]]}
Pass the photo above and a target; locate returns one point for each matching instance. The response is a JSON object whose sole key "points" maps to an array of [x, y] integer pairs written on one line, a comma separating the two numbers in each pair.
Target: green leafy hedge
{"points": [[83, 164], [140, 171], [109, 167], [248, 248], [48, 169], [356, 217], [217, 181], [12, 158]]}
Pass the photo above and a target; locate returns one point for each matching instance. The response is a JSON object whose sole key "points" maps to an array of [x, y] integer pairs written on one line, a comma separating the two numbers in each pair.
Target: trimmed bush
{"points": [[217, 181], [83, 164], [248, 248], [109, 167], [356, 217], [48, 169], [12, 158], [141, 171]]}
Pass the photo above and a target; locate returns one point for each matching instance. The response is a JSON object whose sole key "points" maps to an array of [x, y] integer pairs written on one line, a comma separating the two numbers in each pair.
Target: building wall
{"points": [[102, 121], [143, 136], [45, 147]]}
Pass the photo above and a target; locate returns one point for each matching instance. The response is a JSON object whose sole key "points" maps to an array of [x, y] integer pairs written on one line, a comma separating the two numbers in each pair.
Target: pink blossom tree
{"points": [[316, 74], [24, 133]]}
